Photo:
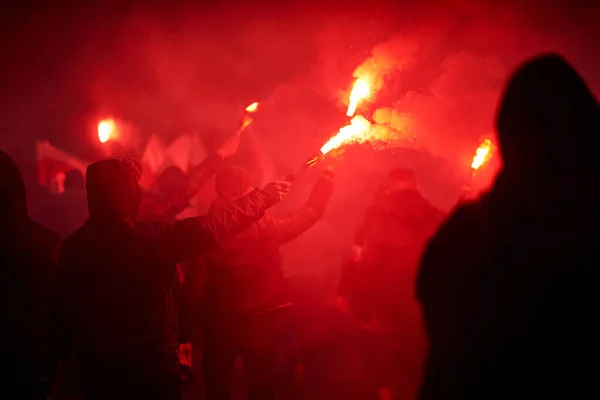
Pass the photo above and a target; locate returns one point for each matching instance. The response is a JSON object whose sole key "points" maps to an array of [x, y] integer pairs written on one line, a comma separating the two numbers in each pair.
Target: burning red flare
{"points": [[252, 107], [482, 154], [247, 119], [360, 91], [106, 129], [357, 131]]}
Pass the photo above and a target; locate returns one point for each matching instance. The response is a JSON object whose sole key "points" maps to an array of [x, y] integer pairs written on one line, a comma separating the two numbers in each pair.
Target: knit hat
{"points": [[133, 164], [232, 182]]}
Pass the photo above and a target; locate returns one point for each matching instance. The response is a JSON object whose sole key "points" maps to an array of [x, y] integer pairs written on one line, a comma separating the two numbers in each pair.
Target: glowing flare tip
{"points": [[482, 154], [358, 128], [360, 90], [252, 107], [105, 130]]}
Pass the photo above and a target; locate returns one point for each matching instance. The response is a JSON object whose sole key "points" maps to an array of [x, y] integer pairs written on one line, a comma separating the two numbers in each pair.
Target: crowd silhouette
{"points": [[503, 288]]}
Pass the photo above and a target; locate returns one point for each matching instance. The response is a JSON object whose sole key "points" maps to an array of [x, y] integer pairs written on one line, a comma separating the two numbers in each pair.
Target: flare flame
{"points": [[106, 129], [482, 154], [360, 91], [357, 131], [252, 107]]}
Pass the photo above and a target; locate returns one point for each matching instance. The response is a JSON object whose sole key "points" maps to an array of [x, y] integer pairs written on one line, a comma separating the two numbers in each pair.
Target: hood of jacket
{"points": [[113, 192], [546, 122]]}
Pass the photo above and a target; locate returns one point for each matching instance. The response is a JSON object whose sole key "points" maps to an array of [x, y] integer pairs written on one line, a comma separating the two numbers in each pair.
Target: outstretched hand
{"points": [[276, 190]]}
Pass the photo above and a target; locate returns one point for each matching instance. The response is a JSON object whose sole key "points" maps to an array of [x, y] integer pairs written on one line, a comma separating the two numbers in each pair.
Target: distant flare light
{"points": [[106, 129], [247, 119], [252, 107], [482, 154]]}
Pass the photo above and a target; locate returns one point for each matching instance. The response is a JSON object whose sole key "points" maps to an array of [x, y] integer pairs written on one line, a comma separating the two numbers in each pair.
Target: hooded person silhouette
{"points": [[28, 260], [506, 285], [115, 303]]}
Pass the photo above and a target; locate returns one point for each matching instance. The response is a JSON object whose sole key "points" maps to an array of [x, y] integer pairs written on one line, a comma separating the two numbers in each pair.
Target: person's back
{"points": [[245, 291], [506, 284], [116, 299], [387, 247], [28, 258], [396, 232], [244, 273], [377, 282]]}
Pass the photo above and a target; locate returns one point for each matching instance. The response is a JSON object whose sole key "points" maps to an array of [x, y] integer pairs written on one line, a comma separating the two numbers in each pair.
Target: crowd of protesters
{"points": [[108, 294]]}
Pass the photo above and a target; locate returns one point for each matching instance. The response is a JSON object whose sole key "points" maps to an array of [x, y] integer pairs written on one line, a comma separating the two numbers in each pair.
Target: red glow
{"points": [[106, 129]]}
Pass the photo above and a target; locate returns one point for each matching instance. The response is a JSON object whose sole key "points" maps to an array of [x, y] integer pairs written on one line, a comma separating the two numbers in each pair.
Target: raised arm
{"points": [[187, 238], [158, 206], [201, 173], [295, 223]]}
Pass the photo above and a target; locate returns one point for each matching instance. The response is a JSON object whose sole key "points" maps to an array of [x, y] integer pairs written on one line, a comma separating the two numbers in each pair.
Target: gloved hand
{"points": [[275, 191]]}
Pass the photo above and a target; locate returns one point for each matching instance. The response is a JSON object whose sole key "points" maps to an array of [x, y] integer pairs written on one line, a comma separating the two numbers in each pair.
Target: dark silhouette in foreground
{"points": [[377, 283], [116, 277], [509, 282], [28, 268]]}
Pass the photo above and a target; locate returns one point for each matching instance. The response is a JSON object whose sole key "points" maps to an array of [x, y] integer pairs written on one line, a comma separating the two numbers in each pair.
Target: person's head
{"points": [[547, 120], [74, 180], [113, 191], [232, 182], [13, 197], [401, 179]]}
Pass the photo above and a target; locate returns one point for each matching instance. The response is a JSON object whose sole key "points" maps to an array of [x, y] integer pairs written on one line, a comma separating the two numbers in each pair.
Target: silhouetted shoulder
{"points": [[74, 241], [460, 223], [451, 246], [45, 233], [41, 238]]}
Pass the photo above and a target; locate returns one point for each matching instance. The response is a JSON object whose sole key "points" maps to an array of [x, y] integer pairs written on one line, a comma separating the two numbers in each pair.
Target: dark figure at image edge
{"points": [[115, 299], [508, 283], [377, 285], [28, 268], [241, 293]]}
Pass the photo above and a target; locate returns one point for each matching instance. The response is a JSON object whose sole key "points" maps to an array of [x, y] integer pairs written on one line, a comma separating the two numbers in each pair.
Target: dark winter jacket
{"points": [[391, 238], [508, 283], [116, 275], [28, 269], [243, 276]]}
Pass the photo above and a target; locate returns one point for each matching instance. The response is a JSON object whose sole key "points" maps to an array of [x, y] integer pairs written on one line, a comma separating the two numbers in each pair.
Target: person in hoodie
{"points": [[28, 269], [508, 283], [115, 298], [376, 286], [244, 292]]}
